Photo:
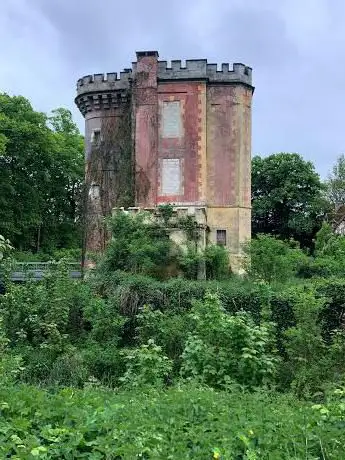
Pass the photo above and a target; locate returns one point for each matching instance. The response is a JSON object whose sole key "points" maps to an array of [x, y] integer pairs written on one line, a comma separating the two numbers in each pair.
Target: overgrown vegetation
{"points": [[185, 422], [269, 344], [143, 358]]}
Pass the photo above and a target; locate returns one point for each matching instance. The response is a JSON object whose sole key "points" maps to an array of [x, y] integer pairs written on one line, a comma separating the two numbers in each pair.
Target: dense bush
{"points": [[180, 423], [123, 328], [71, 255], [223, 349], [146, 365]]}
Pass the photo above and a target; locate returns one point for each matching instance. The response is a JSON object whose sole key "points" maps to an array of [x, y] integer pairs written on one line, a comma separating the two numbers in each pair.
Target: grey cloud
{"points": [[256, 36], [109, 34], [298, 63]]}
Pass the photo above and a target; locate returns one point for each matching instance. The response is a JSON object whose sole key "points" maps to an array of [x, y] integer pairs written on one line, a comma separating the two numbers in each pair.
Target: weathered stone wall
{"points": [[179, 141], [105, 102], [109, 171], [229, 163], [145, 114]]}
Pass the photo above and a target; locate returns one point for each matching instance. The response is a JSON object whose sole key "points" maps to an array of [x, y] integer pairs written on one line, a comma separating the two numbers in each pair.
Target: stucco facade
{"points": [[187, 131]]}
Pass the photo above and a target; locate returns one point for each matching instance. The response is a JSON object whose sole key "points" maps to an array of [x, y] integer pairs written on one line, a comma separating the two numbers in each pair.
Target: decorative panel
{"points": [[171, 176], [171, 119]]}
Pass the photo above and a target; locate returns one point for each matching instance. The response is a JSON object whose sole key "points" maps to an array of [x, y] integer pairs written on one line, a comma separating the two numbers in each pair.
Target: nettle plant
{"points": [[224, 349], [146, 366]]}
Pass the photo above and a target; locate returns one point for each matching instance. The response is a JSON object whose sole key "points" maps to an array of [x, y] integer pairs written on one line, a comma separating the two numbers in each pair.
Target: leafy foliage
{"points": [[146, 365], [5, 247], [335, 185], [140, 244], [287, 197], [10, 364], [225, 349], [180, 423], [270, 259], [311, 361], [137, 246], [40, 175]]}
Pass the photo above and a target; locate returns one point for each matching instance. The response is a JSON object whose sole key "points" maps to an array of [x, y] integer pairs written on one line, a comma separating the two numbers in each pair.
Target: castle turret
{"points": [[105, 102], [178, 134]]}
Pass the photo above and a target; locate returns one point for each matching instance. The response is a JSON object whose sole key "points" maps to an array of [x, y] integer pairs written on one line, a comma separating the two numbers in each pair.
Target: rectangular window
{"points": [[171, 119], [96, 137], [171, 176], [221, 237]]}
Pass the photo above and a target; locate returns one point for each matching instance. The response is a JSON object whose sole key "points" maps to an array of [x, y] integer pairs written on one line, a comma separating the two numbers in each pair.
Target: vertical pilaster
{"points": [[202, 137], [146, 128]]}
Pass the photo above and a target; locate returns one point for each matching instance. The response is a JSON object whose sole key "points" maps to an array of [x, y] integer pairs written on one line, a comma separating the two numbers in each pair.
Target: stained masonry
{"points": [[174, 134]]}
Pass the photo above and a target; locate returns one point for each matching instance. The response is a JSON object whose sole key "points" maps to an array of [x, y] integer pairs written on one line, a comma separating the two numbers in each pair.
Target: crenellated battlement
{"points": [[103, 91], [99, 82], [107, 90], [200, 69]]}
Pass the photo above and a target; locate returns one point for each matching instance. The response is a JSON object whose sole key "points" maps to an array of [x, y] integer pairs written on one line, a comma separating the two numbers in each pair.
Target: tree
{"points": [[270, 259], [24, 166], [63, 214], [336, 183], [287, 197], [41, 170]]}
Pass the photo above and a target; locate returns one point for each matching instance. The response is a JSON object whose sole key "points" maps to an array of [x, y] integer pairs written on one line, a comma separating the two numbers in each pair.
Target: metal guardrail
{"points": [[23, 271]]}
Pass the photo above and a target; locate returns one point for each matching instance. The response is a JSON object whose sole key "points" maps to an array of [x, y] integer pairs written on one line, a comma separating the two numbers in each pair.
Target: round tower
{"points": [[105, 102]]}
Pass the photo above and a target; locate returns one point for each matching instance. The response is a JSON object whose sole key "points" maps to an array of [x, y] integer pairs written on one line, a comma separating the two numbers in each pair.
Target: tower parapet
{"points": [[200, 69], [103, 91]]}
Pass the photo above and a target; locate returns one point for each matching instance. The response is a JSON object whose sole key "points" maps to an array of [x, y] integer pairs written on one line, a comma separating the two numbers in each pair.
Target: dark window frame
{"points": [[221, 237]]}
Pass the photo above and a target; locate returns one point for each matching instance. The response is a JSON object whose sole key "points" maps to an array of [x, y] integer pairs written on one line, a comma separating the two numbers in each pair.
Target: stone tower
{"points": [[170, 134]]}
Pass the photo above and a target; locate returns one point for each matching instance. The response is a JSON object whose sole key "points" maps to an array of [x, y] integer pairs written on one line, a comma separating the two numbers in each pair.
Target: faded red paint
{"points": [[146, 118], [185, 147], [224, 186], [222, 149]]}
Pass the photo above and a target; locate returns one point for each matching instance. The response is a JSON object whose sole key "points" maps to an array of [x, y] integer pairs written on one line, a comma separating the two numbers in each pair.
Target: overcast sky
{"points": [[296, 49]]}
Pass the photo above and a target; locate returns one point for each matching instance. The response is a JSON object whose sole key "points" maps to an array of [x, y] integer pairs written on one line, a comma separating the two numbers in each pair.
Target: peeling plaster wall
{"points": [[184, 146], [145, 106], [229, 163]]}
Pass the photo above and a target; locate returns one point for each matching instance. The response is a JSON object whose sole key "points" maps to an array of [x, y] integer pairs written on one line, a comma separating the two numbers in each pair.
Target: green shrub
{"points": [[11, 365], [312, 362], [180, 423], [104, 362], [69, 369], [273, 260], [225, 349], [44, 312], [169, 330], [43, 319], [136, 246], [146, 365], [190, 261], [217, 262]]}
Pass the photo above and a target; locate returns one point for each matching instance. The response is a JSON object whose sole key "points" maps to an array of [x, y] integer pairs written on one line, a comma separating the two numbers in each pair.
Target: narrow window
{"points": [[96, 137], [221, 237]]}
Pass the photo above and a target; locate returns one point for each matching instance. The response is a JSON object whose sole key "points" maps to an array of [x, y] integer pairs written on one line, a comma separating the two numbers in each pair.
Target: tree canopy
{"points": [[41, 169], [287, 197], [335, 185]]}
